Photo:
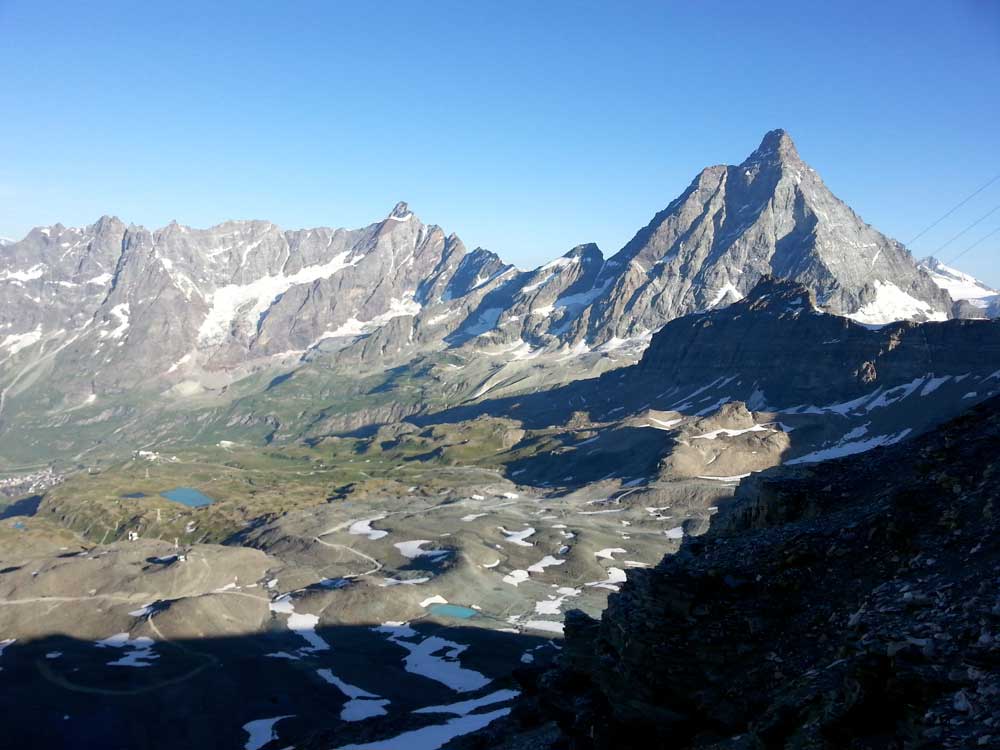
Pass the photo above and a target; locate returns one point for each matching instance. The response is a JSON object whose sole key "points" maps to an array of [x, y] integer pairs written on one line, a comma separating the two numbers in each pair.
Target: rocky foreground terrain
{"points": [[850, 604]]}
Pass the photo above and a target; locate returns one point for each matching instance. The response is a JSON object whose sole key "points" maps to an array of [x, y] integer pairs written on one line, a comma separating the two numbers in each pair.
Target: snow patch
{"points": [[549, 626], [303, 626], [35, 272], [553, 605], [100, 280], [435, 736], [361, 703], [726, 291], [485, 322], [732, 433], [546, 562], [412, 550], [364, 528], [435, 658], [616, 576], [850, 448], [262, 732], [140, 650], [15, 342], [354, 327], [120, 311], [609, 553], [518, 537], [466, 707], [181, 362], [516, 577], [890, 304], [958, 284], [251, 300], [665, 424]]}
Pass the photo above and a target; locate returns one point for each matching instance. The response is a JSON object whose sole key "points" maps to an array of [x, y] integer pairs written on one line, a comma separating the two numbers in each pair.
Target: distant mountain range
{"points": [[117, 317], [973, 299], [827, 386]]}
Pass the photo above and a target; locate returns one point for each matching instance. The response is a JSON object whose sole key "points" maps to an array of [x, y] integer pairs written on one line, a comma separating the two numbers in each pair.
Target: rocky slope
{"points": [[125, 304], [832, 358], [848, 604], [770, 215], [773, 215], [818, 386]]}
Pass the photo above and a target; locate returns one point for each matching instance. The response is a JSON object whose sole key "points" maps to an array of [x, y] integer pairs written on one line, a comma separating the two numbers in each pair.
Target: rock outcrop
{"points": [[851, 604], [780, 341]]}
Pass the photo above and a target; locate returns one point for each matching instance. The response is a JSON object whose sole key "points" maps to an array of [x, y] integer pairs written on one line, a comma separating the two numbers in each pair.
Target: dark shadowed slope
{"points": [[849, 604]]}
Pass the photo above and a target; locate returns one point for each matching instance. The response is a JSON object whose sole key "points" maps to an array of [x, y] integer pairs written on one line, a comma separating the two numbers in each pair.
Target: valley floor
{"points": [[379, 612]]}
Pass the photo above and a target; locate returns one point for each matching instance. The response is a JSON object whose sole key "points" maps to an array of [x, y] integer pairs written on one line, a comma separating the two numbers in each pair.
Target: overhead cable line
{"points": [[976, 223], [978, 242], [954, 208]]}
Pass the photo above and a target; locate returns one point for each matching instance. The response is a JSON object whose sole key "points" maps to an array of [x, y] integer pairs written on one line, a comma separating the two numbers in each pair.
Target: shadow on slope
{"points": [[60, 692], [574, 459], [27, 506], [845, 604]]}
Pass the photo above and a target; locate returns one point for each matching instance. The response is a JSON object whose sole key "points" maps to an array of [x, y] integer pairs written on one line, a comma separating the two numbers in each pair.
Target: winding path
{"points": [[56, 679], [369, 558]]}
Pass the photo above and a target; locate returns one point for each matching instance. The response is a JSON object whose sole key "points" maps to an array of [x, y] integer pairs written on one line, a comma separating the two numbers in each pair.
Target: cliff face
{"points": [[831, 355], [850, 604], [770, 215]]}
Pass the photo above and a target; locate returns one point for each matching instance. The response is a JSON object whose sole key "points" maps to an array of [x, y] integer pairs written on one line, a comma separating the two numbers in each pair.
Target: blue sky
{"points": [[525, 127]]}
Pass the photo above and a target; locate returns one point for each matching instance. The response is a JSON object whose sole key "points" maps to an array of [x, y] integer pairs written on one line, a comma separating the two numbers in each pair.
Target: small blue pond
{"points": [[134, 495], [452, 610], [188, 496]]}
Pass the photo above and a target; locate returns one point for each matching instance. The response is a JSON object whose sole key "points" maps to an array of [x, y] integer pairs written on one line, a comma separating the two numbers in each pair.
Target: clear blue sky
{"points": [[525, 127]]}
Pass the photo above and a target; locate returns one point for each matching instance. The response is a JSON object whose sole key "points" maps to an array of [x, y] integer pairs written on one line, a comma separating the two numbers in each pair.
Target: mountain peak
{"points": [[587, 251], [108, 222], [958, 284], [400, 212], [776, 145]]}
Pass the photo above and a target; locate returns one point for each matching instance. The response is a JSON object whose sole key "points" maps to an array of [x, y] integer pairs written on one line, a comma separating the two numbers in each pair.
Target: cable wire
{"points": [[978, 242], [976, 223], [954, 208]]}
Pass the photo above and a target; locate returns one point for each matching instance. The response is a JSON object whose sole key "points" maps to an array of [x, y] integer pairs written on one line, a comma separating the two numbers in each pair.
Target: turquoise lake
{"points": [[188, 496], [452, 610]]}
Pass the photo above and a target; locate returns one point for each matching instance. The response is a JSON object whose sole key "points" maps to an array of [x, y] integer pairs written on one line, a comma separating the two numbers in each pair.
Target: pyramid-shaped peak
{"points": [[586, 252], [401, 211], [776, 145]]}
